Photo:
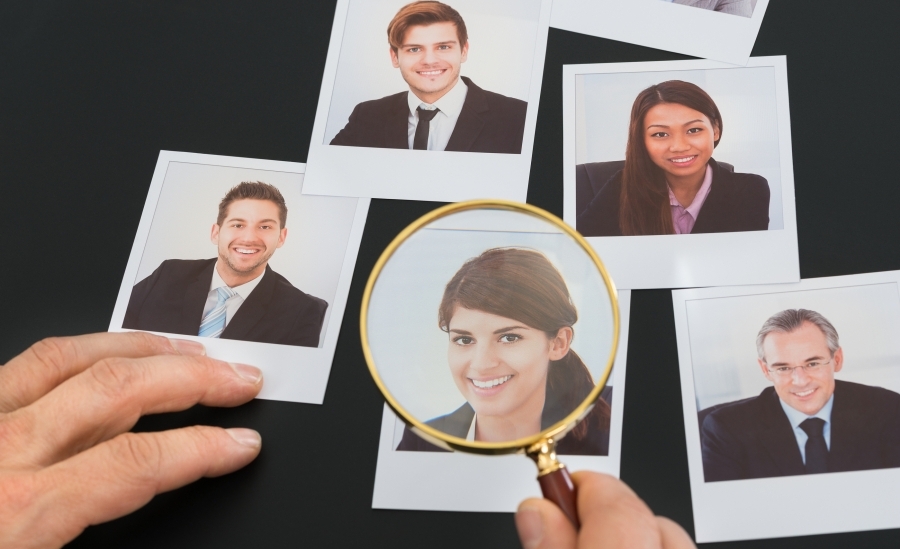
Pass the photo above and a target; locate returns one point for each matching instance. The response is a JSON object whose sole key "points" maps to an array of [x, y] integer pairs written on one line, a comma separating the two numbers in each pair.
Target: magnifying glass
{"points": [[491, 327]]}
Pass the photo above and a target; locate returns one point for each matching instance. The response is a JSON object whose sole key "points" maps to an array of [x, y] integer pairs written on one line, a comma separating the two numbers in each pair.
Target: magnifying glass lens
{"points": [[491, 327]]}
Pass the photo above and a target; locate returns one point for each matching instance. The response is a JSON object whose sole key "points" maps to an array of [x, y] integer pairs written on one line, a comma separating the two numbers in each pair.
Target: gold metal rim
{"points": [[455, 443]]}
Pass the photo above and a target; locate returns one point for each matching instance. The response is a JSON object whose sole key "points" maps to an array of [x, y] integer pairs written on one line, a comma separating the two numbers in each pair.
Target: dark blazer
{"points": [[736, 202], [457, 423], [753, 438], [171, 300], [488, 123]]}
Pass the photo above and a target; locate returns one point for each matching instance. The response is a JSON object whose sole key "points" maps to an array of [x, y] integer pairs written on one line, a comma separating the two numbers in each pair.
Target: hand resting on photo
{"points": [[66, 404]]}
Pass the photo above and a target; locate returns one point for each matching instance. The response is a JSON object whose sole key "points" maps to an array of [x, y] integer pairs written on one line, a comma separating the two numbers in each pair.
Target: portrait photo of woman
{"points": [[669, 182], [508, 317]]}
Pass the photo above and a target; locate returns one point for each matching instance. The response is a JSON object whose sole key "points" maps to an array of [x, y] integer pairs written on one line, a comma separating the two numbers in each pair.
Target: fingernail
{"points": [[188, 347], [530, 526], [245, 437], [246, 372]]}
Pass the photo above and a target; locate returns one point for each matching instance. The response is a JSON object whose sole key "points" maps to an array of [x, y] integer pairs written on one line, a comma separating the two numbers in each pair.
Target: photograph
{"points": [[508, 328], [424, 478], [720, 30], [789, 391], [230, 252], [421, 85], [678, 172]]}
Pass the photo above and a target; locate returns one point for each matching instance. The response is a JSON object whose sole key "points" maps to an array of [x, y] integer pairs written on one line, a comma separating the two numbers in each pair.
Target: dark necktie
{"points": [[420, 141], [816, 449]]}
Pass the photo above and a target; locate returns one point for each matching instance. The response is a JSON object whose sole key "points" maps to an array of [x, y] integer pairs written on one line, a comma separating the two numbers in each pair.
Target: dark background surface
{"points": [[89, 94]]}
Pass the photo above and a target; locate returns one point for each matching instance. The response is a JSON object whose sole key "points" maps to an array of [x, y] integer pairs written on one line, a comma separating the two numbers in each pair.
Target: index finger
{"points": [[612, 515], [49, 362]]}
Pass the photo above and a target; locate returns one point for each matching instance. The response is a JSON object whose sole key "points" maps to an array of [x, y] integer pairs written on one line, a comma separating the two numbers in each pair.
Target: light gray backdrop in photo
{"points": [[502, 38], [410, 349], [318, 226], [745, 98], [723, 337]]}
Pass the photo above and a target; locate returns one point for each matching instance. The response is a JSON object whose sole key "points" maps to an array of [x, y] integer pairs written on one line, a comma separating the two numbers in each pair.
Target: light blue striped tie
{"points": [[213, 324]]}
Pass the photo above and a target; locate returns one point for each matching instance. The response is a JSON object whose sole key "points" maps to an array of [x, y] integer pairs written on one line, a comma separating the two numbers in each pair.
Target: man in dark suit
{"points": [[442, 111], [236, 295], [807, 422]]}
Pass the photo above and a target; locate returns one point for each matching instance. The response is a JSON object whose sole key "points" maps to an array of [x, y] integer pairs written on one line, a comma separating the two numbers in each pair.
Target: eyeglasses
{"points": [[809, 368]]}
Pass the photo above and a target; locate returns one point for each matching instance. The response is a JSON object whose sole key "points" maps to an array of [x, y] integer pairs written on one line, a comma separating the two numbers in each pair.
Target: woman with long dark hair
{"points": [[509, 318], [670, 183]]}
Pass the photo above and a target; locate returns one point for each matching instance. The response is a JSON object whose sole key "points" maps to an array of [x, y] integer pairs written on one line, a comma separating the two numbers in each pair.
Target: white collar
{"points": [[243, 290], [471, 434], [796, 417], [451, 103]]}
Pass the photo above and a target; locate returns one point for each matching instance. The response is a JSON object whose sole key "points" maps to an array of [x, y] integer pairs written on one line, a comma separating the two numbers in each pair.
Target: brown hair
{"points": [[253, 190], [424, 13], [523, 285], [644, 201]]}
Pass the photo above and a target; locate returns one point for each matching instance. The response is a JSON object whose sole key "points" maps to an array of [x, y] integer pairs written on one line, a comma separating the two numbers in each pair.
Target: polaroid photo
{"points": [[429, 100], [791, 406], [229, 253], [721, 30], [679, 173], [413, 474]]}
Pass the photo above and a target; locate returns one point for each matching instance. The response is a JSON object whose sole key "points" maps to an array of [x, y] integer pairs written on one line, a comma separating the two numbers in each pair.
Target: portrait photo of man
{"points": [[235, 295], [441, 110], [806, 421]]}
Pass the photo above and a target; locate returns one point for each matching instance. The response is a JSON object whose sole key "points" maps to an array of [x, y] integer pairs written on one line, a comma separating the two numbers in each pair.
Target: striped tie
{"points": [[213, 324]]}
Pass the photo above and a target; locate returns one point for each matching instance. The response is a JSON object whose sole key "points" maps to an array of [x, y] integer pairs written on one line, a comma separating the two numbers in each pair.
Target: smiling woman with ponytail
{"points": [[509, 318]]}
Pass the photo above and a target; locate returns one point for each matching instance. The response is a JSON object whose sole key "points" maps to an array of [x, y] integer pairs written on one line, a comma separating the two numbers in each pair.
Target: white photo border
{"points": [[744, 509], [456, 481], [451, 176], [724, 37], [292, 374], [679, 261]]}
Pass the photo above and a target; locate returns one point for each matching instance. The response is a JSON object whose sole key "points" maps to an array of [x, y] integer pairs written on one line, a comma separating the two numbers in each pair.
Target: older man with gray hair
{"points": [[806, 422]]}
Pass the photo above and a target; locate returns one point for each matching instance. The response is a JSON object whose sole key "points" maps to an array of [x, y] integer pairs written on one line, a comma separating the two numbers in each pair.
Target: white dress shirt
{"points": [[232, 305], [797, 417], [442, 124], [471, 434]]}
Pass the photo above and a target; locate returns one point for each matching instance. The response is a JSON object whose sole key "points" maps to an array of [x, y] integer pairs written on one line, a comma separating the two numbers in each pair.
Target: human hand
{"points": [[611, 515], [66, 460]]}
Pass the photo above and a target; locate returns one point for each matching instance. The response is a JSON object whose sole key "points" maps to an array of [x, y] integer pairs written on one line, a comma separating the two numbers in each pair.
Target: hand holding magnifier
{"points": [[494, 366]]}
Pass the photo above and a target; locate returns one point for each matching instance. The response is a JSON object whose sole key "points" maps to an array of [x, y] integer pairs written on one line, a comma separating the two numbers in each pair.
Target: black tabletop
{"points": [[90, 93]]}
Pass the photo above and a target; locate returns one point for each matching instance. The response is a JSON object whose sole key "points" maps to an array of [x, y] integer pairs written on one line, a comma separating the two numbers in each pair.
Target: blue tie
{"points": [[213, 323]]}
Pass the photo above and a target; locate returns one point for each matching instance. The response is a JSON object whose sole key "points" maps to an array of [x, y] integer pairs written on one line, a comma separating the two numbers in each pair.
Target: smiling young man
{"points": [[807, 422], [442, 110], [235, 295]]}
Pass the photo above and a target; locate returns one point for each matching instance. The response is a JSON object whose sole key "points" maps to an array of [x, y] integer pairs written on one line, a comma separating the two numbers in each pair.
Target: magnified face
{"points": [[679, 139], [500, 365]]}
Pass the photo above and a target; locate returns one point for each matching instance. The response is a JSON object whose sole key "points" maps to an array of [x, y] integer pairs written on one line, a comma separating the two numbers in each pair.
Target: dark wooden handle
{"points": [[559, 488]]}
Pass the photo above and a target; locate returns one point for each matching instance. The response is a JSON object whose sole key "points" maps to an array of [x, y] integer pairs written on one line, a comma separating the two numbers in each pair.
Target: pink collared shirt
{"points": [[684, 218]]}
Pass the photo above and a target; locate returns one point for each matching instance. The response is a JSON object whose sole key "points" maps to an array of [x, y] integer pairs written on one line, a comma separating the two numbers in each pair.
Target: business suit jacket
{"points": [[743, 8], [488, 123], [753, 438], [736, 202], [457, 423], [172, 298]]}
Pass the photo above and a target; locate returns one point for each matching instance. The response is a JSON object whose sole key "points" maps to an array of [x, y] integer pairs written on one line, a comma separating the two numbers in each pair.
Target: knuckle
{"points": [[55, 354], [140, 456], [149, 344], [114, 378], [17, 494]]}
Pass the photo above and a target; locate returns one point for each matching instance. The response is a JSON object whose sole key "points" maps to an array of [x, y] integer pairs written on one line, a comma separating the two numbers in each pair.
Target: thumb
{"points": [[542, 525]]}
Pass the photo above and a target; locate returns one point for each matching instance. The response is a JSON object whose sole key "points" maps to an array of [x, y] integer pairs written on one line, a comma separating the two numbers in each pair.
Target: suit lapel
{"points": [[719, 191], [847, 432], [252, 309], [778, 438], [194, 299], [470, 121], [396, 128]]}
